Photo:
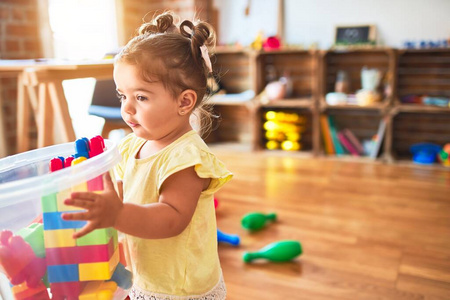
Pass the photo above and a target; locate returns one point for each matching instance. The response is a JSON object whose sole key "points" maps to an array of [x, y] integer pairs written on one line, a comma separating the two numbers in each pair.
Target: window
{"points": [[82, 30]]}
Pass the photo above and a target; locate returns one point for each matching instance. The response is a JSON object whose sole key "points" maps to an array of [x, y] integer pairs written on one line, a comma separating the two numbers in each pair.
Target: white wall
{"points": [[314, 21]]}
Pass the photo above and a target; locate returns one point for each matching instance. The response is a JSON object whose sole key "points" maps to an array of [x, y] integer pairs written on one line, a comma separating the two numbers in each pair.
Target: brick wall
{"points": [[133, 11], [19, 39]]}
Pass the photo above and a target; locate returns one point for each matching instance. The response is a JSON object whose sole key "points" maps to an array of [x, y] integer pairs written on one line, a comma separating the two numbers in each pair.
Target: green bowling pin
{"points": [[255, 221], [277, 252]]}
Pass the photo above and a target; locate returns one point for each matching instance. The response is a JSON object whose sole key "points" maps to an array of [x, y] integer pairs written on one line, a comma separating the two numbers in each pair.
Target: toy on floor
{"points": [[256, 221], [232, 239], [45, 254], [444, 155], [216, 202], [280, 251]]}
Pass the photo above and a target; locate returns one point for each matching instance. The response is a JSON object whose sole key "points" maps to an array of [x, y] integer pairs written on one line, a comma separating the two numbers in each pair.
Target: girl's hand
{"points": [[102, 209]]}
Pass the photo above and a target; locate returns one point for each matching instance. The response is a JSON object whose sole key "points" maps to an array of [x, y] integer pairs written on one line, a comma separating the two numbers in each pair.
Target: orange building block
{"points": [[98, 290], [23, 292]]}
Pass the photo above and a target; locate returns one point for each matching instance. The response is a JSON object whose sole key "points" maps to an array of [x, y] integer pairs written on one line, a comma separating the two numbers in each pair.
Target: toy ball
{"points": [[272, 43]]}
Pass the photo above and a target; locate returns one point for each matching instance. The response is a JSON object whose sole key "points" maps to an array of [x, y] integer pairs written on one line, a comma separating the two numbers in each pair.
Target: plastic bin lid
{"points": [[25, 178]]}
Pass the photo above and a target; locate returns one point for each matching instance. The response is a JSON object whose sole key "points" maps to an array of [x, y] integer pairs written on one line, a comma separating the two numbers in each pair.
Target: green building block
{"points": [[34, 235], [49, 203], [96, 237]]}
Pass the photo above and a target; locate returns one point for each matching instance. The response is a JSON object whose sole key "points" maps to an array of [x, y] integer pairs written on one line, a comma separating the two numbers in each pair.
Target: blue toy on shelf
{"points": [[425, 153]]}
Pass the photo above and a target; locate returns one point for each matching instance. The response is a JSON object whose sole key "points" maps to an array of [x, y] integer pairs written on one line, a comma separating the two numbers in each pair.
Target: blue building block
{"points": [[122, 277], [62, 273], [53, 220], [82, 148]]}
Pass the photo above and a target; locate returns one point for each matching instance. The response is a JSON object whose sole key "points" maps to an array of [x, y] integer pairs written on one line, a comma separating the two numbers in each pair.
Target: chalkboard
{"points": [[355, 35]]}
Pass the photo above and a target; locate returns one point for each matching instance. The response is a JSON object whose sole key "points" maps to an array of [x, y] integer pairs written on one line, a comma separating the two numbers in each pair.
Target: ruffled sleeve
{"points": [[124, 150], [206, 165]]}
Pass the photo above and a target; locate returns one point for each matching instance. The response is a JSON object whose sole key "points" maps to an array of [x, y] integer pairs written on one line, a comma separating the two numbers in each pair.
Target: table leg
{"points": [[44, 119], [23, 116], [3, 144], [61, 110]]}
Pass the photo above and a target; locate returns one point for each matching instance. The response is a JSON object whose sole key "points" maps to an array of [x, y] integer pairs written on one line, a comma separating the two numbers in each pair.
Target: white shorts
{"points": [[218, 292]]}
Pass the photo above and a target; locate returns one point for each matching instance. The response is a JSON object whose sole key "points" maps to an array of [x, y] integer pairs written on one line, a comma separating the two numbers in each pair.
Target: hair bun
{"points": [[200, 34], [160, 24], [164, 22]]}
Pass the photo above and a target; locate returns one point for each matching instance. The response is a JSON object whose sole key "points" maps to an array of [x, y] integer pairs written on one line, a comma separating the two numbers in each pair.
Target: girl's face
{"points": [[148, 108]]}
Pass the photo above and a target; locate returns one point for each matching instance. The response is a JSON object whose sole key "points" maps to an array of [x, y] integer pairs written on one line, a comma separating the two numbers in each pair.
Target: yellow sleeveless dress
{"points": [[187, 265]]}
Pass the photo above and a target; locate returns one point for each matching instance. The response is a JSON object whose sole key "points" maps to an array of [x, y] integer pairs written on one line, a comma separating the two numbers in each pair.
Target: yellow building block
{"points": [[60, 197], [63, 195], [59, 238], [82, 187], [98, 290], [78, 160], [99, 271]]}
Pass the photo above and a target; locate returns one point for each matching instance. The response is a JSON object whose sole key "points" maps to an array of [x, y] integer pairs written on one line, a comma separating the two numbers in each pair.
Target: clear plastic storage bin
{"points": [[24, 181]]}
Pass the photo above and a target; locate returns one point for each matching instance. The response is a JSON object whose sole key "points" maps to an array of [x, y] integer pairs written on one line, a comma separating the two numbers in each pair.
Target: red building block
{"points": [[80, 254], [66, 290]]}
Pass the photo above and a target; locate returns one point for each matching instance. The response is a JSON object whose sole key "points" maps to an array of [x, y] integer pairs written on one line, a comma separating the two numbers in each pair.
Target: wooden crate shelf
{"points": [[242, 70], [423, 72], [409, 128], [300, 66], [313, 74], [364, 124], [305, 126], [352, 62]]}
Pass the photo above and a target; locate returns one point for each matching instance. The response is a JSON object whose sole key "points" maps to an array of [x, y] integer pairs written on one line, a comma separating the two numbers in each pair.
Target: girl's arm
{"points": [[169, 217]]}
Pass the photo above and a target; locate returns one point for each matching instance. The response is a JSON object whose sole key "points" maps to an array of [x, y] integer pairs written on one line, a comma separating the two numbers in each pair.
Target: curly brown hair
{"points": [[167, 52]]}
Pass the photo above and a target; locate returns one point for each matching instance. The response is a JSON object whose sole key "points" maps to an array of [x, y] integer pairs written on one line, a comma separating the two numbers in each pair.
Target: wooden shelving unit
{"points": [[363, 121], [419, 73], [313, 75]]}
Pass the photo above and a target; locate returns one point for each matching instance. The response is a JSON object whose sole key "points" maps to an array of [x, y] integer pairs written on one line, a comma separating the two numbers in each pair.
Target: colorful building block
{"points": [[97, 237], [53, 221], [97, 146], [99, 270], [81, 148], [68, 161], [66, 290], [82, 187], [63, 273], [98, 290], [78, 160], [95, 184], [62, 256], [59, 238], [122, 257], [34, 236], [15, 254], [80, 254], [122, 277], [60, 197], [23, 292], [56, 164], [48, 203]]}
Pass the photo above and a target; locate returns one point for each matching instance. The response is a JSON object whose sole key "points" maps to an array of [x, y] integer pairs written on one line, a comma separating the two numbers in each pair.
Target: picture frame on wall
{"points": [[355, 35]]}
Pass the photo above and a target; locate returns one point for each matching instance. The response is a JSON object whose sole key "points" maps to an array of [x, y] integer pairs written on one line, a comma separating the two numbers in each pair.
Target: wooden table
{"points": [[39, 83], [3, 143]]}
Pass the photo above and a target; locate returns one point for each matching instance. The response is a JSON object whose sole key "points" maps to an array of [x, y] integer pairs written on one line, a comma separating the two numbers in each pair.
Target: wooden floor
{"points": [[368, 231]]}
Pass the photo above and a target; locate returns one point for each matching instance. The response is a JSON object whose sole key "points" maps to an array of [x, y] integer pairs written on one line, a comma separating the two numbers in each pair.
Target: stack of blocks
{"points": [[78, 269]]}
